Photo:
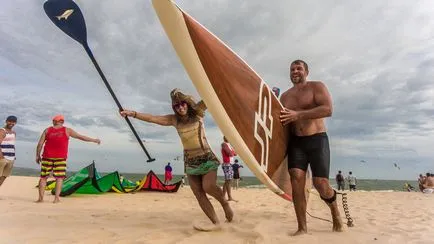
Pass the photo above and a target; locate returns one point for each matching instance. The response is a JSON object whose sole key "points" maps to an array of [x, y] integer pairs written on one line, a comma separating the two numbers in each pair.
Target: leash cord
{"points": [[345, 207]]}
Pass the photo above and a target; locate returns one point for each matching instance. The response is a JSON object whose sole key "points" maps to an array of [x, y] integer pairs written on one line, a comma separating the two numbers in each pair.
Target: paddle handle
{"points": [[89, 52]]}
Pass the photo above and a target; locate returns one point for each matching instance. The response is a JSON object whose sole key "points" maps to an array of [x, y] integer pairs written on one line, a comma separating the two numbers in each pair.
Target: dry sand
{"points": [[260, 217]]}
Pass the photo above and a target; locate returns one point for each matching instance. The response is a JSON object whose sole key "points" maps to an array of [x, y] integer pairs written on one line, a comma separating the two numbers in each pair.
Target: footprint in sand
{"points": [[247, 234], [235, 220], [96, 215], [205, 226]]}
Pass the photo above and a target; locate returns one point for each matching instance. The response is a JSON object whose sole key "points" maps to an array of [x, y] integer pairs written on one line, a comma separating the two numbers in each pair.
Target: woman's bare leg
{"points": [[209, 185], [199, 193]]}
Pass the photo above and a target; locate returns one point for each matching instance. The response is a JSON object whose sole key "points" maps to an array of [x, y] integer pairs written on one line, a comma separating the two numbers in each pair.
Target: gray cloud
{"points": [[375, 57], [24, 134]]}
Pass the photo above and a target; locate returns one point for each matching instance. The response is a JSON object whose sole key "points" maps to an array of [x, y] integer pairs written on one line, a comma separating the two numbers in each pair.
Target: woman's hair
{"points": [[193, 110]]}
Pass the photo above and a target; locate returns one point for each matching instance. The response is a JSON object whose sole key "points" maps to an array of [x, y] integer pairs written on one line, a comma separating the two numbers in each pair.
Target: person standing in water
{"points": [[340, 181], [352, 181], [201, 164]]}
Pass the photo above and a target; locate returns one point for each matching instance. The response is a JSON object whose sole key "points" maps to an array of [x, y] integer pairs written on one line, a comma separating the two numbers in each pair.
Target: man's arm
{"points": [[227, 149], [39, 146], [323, 99], [78, 136], [2, 137]]}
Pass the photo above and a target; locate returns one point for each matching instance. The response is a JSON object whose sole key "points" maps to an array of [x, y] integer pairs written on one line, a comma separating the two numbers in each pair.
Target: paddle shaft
{"points": [[89, 52]]}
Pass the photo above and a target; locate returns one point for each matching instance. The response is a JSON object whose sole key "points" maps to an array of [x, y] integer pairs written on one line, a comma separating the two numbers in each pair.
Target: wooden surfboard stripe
{"points": [[238, 88]]}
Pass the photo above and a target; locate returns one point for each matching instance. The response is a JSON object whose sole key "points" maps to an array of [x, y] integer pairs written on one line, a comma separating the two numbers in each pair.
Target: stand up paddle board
{"points": [[241, 103]]}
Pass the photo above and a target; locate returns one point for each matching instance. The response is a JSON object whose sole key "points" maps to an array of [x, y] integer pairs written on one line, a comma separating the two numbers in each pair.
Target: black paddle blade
{"points": [[66, 15]]}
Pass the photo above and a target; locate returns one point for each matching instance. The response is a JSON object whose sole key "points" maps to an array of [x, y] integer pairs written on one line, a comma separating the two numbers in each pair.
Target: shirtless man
{"points": [[307, 104], [429, 183]]}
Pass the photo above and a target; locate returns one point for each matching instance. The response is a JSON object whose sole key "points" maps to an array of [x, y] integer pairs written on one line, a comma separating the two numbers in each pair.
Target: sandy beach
{"points": [[261, 217]]}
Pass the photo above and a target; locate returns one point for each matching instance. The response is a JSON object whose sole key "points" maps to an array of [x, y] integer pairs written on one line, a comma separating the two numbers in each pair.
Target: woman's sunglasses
{"points": [[178, 105]]}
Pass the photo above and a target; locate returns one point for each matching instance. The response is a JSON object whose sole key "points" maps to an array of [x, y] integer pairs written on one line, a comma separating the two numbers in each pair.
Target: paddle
{"points": [[66, 15]]}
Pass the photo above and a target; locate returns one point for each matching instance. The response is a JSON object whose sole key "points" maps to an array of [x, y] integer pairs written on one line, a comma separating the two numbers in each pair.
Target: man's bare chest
{"points": [[300, 100]]}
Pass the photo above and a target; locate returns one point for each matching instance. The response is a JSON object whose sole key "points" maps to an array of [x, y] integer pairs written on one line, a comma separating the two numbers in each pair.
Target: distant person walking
{"points": [[352, 181], [340, 181], [228, 154], [168, 174], [236, 168], [54, 142], [7, 148]]}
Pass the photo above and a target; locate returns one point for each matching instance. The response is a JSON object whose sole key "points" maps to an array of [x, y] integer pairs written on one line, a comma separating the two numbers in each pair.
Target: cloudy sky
{"points": [[376, 57]]}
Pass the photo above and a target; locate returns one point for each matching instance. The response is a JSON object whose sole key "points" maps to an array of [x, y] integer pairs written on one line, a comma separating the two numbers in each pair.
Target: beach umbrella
{"points": [[66, 15]]}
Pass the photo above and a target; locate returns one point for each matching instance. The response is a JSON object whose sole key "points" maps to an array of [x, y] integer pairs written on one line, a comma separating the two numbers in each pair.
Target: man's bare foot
{"points": [[299, 232], [233, 200], [39, 201], [337, 225], [228, 212], [56, 200]]}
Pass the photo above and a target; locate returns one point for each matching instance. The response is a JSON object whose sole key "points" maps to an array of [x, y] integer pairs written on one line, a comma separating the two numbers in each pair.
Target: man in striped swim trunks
{"points": [[55, 141], [7, 148], [228, 154]]}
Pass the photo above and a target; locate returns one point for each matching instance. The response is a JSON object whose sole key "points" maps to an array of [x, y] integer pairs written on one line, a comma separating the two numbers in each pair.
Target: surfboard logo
{"points": [[65, 14], [264, 120]]}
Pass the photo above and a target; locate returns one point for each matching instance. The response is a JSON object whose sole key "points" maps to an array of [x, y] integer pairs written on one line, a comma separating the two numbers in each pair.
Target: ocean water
{"points": [[253, 182]]}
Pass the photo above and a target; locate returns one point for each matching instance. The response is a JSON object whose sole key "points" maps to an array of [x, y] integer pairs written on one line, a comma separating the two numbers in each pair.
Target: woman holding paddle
{"points": [[200, 162]]}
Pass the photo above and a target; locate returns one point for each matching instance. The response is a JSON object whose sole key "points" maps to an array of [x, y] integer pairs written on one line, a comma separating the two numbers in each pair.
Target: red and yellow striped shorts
{"points": [[55, 165]]}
